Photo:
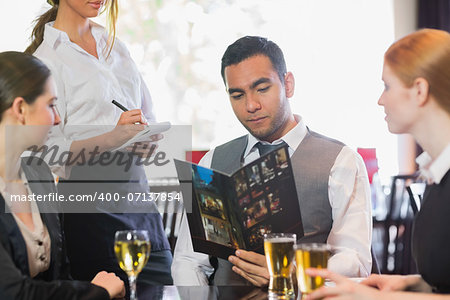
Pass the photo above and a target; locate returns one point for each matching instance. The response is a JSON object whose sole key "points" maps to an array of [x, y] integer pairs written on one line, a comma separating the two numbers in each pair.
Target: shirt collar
{"points": [[100, 35], [435, 170], [293, 138], [3, 182], [54, 36]]}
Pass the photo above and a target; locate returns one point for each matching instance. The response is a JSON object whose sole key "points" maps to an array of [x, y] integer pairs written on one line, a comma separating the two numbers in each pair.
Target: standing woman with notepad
{"points": [[91, 68]]}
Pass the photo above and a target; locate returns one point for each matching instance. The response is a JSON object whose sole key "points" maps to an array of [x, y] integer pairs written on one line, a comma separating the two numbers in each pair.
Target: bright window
{"points": [[334, 48]]}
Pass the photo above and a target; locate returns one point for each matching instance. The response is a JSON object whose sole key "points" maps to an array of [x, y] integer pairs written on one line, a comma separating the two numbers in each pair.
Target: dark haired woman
{"points": [[33, 263]]}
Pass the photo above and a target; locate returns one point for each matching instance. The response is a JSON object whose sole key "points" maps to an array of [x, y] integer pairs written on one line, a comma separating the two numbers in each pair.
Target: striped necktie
{"points": [[266, 148]]}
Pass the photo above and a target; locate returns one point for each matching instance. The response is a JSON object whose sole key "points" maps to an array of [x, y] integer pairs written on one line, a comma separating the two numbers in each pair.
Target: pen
{"points": [[119, 105], [144, 121]]}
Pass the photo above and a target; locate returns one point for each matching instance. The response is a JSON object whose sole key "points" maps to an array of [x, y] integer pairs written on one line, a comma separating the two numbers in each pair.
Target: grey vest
{"points": [[311, 163]]}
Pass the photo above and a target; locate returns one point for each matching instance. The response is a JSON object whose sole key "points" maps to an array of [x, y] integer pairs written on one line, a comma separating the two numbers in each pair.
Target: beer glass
{"points": [[310, 255], [279, 251], [132, 248]]}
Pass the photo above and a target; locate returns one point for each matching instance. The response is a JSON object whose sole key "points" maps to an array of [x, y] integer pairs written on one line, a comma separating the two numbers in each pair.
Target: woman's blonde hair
{"points": [[424, 53], [37, 36]]}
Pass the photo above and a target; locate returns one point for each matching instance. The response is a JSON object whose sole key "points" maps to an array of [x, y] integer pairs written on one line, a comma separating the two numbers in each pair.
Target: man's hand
{"points": [[252, 266]]}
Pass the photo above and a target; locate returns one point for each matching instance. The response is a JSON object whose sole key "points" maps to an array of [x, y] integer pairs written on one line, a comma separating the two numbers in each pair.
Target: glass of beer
{"points": [[279, 251], [132, 248], [310, 255]]}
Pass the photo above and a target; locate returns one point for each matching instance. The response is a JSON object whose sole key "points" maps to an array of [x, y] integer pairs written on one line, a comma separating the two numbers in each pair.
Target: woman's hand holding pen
{"points": [[133, 116], [130, 123]]}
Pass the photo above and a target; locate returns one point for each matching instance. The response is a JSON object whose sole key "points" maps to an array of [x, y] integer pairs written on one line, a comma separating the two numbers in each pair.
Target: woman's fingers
{"points": [[131, 117], [326, 274]]}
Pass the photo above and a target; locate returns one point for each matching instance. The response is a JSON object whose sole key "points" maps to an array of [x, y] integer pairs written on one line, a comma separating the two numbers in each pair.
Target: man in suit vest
{"points": [[331, 179]]}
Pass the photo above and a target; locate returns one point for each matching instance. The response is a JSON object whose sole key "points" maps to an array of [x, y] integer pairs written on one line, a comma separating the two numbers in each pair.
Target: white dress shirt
{"points": [[351, 232], [435, 170], [87, 85]]}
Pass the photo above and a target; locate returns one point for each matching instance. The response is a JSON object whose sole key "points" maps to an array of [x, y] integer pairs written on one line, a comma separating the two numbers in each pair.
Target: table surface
{"points": [[171, 292], [201, 292]]}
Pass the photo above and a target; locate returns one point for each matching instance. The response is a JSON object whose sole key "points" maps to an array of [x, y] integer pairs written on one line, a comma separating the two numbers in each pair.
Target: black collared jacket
{"points": [[55, 283]]}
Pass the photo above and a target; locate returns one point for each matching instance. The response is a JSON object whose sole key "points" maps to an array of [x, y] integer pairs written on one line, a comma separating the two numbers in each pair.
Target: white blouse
{"points": [[87, 85], [435, 170]]}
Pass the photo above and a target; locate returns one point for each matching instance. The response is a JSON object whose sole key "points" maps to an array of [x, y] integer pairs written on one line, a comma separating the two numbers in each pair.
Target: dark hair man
{"points": [[331, 179]]}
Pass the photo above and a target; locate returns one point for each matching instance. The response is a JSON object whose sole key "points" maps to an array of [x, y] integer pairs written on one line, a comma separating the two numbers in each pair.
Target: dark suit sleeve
{"points": [[14, 285], [65, 264]]}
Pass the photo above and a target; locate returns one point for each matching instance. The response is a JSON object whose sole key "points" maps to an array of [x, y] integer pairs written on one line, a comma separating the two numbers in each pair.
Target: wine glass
{"points": [[132, 249]]}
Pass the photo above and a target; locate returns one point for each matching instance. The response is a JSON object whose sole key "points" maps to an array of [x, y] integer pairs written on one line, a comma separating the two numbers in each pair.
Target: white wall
{"points": [[16, 19]]}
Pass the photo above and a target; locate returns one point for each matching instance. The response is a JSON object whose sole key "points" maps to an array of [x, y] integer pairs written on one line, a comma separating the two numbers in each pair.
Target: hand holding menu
{"points": [[234, 211]]}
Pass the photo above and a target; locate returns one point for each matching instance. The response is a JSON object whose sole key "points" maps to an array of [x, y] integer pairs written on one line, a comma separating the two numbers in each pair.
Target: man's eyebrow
{"points": [[252, 86], [259, 81], [231, 91]]}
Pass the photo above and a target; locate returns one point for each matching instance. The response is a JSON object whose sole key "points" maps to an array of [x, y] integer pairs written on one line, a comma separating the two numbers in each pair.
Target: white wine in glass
{"points": [[132, 248]]}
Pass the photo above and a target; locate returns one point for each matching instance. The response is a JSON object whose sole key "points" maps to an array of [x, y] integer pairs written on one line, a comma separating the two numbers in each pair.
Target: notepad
{"points": [[145, 134]]}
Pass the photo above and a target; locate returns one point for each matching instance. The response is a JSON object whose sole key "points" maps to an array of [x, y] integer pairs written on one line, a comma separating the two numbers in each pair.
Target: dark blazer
{"points": [[55, 283], [431, 236]]}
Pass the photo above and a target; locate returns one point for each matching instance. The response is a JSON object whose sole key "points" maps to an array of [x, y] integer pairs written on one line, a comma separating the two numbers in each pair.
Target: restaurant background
{"points": [[334, 48]]}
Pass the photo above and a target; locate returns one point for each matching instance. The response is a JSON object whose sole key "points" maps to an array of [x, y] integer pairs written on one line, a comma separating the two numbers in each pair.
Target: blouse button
{"points": [[42, 257], [40, 243]]}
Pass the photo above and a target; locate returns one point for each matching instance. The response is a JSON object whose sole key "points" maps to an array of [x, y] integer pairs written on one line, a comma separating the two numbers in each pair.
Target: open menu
{"points": [[235, 211]]}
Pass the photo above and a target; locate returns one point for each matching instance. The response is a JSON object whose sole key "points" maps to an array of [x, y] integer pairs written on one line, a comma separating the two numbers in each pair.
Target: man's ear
{"points": [[289, 84], [421, 90], [19, 108]]}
